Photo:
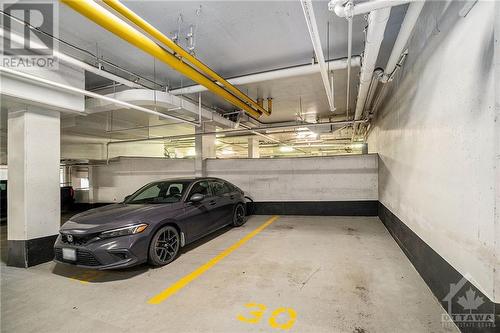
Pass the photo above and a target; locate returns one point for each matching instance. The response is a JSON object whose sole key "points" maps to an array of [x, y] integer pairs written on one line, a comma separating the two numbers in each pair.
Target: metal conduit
{"points": [[117, 26], [245, 131]]}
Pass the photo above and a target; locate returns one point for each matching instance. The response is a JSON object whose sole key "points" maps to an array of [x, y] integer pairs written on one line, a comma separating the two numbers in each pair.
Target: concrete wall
{"points": [[435, 136], [3, 172], [97, 150], [497, 140], [339, 178], [111, 183]]}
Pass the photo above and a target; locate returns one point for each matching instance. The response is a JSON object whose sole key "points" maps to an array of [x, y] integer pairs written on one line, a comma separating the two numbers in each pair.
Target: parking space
{"points": [[302, 274]]}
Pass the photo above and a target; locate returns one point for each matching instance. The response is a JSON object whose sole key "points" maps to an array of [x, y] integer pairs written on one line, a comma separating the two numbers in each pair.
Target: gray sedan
{"points": [[151, 224]]}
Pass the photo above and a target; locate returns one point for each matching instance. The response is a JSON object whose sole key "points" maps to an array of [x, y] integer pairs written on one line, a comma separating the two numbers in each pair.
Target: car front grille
{"points": [[77, 240], [83, 257]]}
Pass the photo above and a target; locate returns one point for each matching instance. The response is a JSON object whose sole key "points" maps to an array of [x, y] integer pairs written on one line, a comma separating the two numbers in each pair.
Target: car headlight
{"points": [[130, 230]]}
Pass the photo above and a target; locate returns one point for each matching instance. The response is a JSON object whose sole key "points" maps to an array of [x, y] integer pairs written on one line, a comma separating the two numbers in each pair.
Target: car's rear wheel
{"points": [[239, 215], [164, 246]]}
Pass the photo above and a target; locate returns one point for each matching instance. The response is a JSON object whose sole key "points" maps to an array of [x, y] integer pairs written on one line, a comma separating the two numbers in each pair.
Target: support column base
{"points": [[30, 252]]}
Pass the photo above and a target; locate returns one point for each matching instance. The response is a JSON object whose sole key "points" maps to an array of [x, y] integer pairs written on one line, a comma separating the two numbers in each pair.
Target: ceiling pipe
{"points": [[100, 60], [70, 60], [349, 61], [307, 7], [412, 14], [377, 21], [282, 73], [64, 87], [342, 10], [377, 74], [396, 58], [245, 131], [117, 26], [180, 52]]}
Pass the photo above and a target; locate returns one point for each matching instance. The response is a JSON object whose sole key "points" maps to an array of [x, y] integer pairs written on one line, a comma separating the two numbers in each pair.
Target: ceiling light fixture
{"points": [[286, 149]]}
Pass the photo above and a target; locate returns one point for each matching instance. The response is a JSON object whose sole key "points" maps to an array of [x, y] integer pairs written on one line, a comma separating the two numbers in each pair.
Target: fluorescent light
{"points": [[190, 152], [286, 149]]}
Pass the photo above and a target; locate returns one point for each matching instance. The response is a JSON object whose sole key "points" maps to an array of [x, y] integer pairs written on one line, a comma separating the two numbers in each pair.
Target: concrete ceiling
{"points": [[236, 38]]}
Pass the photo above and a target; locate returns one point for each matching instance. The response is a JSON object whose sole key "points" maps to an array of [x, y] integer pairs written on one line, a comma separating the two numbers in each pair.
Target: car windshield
{"points": [[159, 193]]}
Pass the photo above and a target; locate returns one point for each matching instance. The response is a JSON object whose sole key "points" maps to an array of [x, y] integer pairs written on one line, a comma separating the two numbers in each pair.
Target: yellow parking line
{"points": [[181, 283]]}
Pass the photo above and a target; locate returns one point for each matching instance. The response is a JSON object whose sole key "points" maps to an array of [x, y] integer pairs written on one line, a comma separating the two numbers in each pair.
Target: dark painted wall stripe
{"points": [[322, 208], [434, 269]]}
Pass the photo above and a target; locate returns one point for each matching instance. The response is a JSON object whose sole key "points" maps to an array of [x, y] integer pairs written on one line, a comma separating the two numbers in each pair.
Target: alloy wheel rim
{"points": [[240, 215], [166, 245]]}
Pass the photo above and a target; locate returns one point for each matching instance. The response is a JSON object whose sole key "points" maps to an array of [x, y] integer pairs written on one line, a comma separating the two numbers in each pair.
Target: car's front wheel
{"points": [[164, 246], [239, 215]]}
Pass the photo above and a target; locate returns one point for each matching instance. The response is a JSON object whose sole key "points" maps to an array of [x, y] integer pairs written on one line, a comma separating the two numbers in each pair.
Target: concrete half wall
{"points": [[339, 178]]}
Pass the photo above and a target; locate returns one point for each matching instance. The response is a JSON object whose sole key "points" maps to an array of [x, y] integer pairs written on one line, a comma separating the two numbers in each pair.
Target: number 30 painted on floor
{"points": [[259, 311]]}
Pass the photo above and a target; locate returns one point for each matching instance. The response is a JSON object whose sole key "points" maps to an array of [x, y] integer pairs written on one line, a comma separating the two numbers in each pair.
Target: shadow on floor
{"points": [[86, 275], [3, 243]]}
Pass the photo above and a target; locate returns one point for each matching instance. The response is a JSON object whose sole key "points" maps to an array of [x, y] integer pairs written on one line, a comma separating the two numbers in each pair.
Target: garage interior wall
{"points": [[439, 113], [316, 179]]}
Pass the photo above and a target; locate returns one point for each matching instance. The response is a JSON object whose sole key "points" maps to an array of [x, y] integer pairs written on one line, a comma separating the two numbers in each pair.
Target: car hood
{"points": [[116, 216]]}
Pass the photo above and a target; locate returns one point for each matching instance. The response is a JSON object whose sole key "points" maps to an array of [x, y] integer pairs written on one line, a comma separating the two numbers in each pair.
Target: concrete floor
{"points": [[338, 274]]}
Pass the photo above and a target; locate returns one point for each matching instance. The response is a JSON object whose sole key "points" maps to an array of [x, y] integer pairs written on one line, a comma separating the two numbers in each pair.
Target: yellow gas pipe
{"points": [[155, 33], [112, 23]]}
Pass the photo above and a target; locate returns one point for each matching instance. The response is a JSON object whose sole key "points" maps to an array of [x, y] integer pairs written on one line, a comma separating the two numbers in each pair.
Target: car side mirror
{"points": [[127, 197], [197, 197]]}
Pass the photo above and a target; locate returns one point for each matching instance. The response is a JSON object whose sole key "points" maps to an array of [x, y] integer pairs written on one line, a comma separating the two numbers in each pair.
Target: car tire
{"points": [[239, 215], [164, 246]]}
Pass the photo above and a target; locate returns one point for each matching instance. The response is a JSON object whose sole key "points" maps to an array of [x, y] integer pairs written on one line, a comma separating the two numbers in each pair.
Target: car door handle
{"points": [[212, 203], [231, 197]]}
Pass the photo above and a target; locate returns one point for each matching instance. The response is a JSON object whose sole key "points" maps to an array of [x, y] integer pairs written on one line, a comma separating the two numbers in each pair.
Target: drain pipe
{"points": [[342, 10], [377, 75], [377, 21], [405, 31], [349, 57]]}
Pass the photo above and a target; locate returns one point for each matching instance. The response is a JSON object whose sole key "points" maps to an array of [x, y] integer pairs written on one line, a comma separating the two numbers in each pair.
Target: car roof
{"points": [[187, 179]]}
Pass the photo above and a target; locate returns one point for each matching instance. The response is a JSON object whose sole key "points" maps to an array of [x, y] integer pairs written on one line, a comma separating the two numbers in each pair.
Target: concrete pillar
{"points": [[33, 211], [364, 148], [204, 147], [66, 175], [253, 147], [92, 182]]}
